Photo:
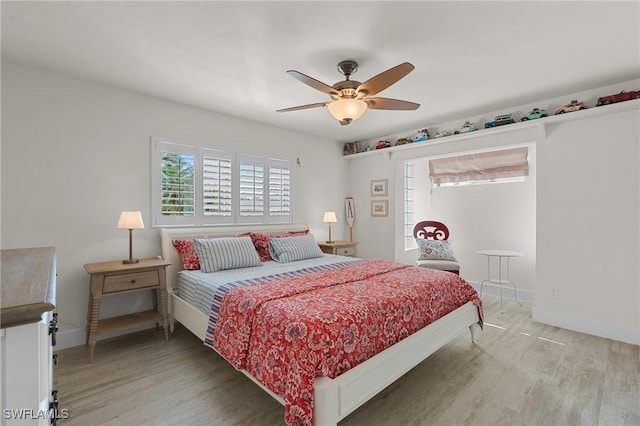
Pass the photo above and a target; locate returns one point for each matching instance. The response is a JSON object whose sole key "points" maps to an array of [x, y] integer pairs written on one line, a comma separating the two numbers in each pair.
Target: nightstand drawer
{"points": [[130, 281], [346, 251]]}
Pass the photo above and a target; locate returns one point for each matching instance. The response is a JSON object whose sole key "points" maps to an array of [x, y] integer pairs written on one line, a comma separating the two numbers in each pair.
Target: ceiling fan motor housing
{"points": [[347, 88], [347, 67]]}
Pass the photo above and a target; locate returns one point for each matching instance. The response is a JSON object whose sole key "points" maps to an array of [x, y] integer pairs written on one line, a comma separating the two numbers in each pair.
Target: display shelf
{"points": [[540, 123]]}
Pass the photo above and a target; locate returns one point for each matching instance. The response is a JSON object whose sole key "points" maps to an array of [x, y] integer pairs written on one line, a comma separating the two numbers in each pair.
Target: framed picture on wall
{"points": [[379, 208], [379, 188]]}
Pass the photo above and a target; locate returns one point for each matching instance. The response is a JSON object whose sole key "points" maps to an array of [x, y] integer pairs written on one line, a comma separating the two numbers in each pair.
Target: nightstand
{"points": [[108, 278], [342, 248]]}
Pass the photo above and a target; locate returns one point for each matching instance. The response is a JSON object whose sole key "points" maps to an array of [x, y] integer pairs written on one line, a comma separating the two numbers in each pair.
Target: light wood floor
{"points": [[518, 373]]}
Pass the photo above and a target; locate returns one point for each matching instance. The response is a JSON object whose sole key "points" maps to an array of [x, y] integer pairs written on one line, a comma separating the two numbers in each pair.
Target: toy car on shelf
{"points": [[443, 134], [619, 97], [403, 141], [421, 135], [383, 144], [466, 128], [574, 105], [534, 113], [500, 120], [503, 119]]}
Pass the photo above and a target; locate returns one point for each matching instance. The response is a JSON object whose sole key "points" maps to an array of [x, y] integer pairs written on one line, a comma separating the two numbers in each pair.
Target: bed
{"points": [[337, 394]]}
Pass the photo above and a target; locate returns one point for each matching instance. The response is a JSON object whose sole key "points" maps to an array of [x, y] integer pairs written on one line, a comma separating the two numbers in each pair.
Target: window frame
{"points": [[408, 199], [160, 145]]}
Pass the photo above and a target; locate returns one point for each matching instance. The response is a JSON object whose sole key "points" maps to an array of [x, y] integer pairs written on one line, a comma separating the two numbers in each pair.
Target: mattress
{"points": [[199, 289]]}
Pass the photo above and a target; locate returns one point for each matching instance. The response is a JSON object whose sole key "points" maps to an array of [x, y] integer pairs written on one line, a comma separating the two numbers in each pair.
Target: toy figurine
{"points": [[574, 105], [421, 135], [534, 113], [500, 120], [620, 97], [466, 128], [350, 148], [443, 134]]}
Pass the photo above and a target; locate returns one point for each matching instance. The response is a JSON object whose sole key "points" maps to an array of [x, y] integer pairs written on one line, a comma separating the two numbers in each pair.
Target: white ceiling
{"points": [[232, 57]]}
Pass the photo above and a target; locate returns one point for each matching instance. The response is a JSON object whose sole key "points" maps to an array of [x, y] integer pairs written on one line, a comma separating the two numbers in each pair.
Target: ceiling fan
{"points": [[351, 98]]}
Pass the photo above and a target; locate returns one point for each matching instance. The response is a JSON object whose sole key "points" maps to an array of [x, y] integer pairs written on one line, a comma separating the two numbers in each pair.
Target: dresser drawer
{"points": [[346, 251], [130, 281]]}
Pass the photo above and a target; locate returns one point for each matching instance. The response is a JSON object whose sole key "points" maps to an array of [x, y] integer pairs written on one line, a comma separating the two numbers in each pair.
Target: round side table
{"points": [[500, 254]]}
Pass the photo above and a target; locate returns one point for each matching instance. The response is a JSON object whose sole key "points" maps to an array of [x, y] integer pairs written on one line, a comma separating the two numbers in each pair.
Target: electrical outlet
{"points": [[553, 293]]}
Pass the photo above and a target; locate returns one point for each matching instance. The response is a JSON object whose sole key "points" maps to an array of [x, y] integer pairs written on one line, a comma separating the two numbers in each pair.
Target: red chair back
{"points": [[431, 230]]}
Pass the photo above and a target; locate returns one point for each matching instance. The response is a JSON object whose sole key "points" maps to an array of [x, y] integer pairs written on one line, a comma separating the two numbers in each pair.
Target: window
{"points": [[177, 184], [279, 191], [409, 240], [252, 184], [507, 165], [193, 185], [217, 184]]}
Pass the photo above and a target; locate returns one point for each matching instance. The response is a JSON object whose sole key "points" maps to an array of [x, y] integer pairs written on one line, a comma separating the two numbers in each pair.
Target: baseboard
{"points": [[588, 326], [76, 337], [507, 291]]}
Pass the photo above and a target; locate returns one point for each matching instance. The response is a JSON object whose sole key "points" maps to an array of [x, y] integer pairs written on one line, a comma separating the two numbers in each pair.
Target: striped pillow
{"points": [[261, 241], [217, 254], [289, 249]]}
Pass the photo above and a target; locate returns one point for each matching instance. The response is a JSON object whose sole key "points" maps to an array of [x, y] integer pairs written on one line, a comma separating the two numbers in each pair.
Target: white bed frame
{"points": [[334, 399]]}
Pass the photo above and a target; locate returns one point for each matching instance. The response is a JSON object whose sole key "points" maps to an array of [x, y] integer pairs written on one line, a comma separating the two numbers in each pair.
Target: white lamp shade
{"points": [[130, 220], [345, 109], [329, 217]]}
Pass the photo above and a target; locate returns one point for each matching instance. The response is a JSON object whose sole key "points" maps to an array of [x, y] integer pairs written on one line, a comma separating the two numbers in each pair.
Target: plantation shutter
{"points": [[252, 186], [279, 191], [507, 163], [217, 186]]}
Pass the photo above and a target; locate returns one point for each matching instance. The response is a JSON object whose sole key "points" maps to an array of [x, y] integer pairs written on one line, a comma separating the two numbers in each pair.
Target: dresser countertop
{"points": [[28, 284]]}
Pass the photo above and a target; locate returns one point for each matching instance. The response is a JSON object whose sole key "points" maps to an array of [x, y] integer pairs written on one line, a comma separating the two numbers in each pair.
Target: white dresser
{"points": [[27, 334]]}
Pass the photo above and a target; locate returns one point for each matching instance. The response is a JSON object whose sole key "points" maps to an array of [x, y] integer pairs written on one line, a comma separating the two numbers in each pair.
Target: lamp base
{"points": [[329, 242], [129, 261]]}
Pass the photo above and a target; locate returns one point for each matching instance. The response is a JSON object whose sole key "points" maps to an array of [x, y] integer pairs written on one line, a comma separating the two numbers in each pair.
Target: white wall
{"points": [[375, 234], [74, 154], [588, 228]]}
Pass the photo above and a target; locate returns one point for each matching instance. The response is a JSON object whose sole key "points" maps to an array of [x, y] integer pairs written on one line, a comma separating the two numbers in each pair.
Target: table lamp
{"points": [[329, 217], [130, 220]]}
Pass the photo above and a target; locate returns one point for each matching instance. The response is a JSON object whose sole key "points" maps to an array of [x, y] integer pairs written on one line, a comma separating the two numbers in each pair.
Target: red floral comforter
{"points": [[286, 332]]}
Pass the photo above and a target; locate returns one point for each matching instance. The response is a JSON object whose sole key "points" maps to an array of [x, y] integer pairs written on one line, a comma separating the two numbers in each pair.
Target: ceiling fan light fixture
{"points": [[347, 109], [350, 98]]}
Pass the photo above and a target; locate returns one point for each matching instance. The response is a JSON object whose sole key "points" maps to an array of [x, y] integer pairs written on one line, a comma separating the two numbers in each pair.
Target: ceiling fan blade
{"points": [[385, 79], [386, 103], [316, 84], [296, 108]]}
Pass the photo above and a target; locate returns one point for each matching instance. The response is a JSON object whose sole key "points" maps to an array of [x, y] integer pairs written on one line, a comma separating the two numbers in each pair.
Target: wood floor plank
{"points": [[519, 372]]}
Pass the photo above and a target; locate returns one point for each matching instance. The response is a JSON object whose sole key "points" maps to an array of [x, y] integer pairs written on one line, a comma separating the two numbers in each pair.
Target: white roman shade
{"points": [[506, 163]]}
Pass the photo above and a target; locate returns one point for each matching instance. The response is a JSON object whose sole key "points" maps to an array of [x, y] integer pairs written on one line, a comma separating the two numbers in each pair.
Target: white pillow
{"points": [[217, 254], [435, 250], [289, 249]]}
